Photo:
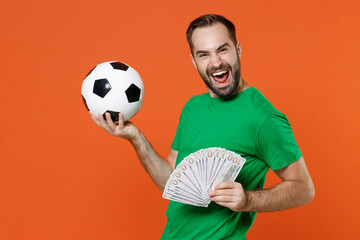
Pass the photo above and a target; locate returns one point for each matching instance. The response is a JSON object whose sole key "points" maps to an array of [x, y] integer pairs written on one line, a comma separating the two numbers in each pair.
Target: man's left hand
{"points": [[230, 195]]}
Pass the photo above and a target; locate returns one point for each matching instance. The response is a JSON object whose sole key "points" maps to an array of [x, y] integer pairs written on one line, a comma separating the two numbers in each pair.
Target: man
{"points": [[234, 116]]}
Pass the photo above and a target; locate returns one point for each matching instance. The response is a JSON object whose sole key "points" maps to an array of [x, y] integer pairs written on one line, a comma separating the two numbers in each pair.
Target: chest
{"points": [[233, 129]]}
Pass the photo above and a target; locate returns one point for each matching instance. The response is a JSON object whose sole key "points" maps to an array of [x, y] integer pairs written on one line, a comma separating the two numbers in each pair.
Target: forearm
{"points": [[285, 195], [158, 168]]}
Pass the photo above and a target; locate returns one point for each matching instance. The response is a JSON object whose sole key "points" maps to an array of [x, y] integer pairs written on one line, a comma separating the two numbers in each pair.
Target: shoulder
{"points": [[254, 106], [196, 100], [261, 106]]}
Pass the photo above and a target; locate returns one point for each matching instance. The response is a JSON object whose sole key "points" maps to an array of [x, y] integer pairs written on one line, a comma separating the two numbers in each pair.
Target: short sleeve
{"points": [[175, 143], [276, 142]]}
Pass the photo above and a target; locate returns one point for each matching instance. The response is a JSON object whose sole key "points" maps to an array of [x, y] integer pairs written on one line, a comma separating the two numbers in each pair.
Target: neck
{"points": [[242, 86]]}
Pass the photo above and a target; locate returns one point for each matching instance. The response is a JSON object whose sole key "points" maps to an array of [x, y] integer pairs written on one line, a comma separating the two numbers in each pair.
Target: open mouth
{"points": [[220, 77]]}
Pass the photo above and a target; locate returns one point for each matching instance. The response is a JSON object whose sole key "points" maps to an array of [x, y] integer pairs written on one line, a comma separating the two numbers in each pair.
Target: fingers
{"points": [[107, 124], [110, 122], [226, 195], [121, 121], [230, 195], [96, 121], [227, 185], [227, 192], [102, 122], [122, 129], [223, 199], [234, 201]]}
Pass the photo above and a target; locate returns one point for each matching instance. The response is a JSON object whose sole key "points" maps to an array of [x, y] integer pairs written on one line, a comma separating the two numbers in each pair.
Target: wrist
{"points": [[248, 202], [136, 138]]}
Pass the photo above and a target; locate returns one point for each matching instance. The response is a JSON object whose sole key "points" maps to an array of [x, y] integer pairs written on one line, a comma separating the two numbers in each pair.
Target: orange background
{"points": [[62, 177]]}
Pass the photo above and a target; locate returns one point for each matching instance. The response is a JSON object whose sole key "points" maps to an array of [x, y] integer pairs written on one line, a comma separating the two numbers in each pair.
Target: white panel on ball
{"points": [[116, 100]]}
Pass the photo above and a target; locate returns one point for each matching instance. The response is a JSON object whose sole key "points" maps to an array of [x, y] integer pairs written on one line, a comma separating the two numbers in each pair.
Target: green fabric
{"points": [[246, 124]]}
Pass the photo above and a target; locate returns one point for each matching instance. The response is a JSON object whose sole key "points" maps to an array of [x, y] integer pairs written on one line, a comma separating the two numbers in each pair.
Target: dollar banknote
{"points": [[199, 173]]}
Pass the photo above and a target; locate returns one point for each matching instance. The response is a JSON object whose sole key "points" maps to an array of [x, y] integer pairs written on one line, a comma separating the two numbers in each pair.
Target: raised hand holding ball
{"points": [[113, 87]]}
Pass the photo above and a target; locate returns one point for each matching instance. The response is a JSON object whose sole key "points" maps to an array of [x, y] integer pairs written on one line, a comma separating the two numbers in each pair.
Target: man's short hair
{"points": [[207, 21]]}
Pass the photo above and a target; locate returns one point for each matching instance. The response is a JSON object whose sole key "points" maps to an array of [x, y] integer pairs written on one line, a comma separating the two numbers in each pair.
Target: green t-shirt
{"points": [[247, 124]]}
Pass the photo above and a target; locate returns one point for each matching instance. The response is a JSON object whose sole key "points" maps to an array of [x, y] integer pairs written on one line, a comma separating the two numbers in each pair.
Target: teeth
{"points": [[219, 73]]}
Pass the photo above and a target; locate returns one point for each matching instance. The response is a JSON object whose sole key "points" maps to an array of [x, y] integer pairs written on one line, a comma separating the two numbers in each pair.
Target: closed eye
{"points": [[202, 55], [223, 50]]}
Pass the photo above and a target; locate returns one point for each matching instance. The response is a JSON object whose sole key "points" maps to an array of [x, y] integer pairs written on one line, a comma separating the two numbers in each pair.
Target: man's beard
{"points": [[231, 89]]}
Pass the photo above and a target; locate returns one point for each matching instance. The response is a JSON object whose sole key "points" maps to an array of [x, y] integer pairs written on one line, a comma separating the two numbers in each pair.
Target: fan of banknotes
{"points": [[199, 173]]}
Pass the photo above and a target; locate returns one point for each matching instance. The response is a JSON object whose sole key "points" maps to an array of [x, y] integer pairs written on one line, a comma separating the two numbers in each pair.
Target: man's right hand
{"points": [[158, 168], [123, 129]]}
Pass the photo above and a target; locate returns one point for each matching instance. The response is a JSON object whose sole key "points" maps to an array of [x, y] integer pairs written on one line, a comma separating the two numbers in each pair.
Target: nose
{"points": [[215, 60]]}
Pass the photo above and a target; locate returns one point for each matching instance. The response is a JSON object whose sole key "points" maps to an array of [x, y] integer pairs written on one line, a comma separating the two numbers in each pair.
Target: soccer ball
{"points": [[113, 87]]}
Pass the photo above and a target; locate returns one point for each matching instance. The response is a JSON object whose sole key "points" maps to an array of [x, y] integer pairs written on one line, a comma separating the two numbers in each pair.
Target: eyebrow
{"points": [[221, 46]]}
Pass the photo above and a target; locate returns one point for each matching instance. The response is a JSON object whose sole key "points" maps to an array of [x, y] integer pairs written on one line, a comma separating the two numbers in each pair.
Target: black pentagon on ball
{"points": [[114, 115], [119, 66], [133, 93], [101, 87]]}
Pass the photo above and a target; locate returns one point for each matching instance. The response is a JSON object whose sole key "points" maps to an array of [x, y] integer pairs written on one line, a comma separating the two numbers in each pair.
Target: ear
{"points": [[238, 48], [193, 60]]}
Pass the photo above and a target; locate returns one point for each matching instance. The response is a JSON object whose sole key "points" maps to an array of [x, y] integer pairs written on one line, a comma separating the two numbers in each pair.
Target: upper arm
{"points": [[276, 142], [172, 158], [296, 171]]}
